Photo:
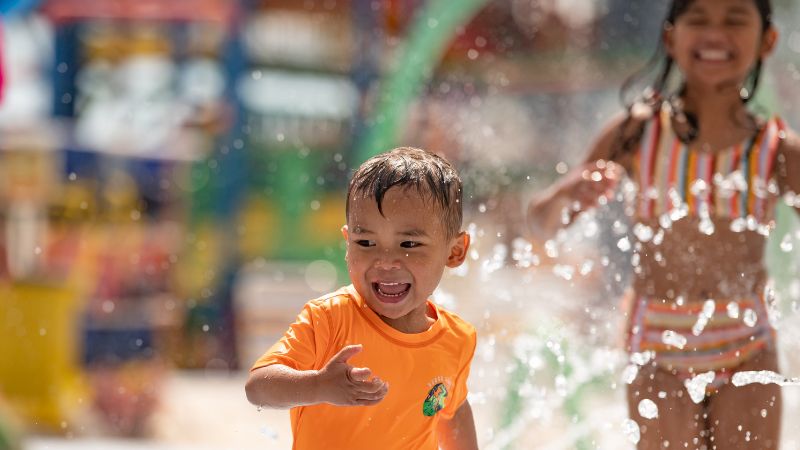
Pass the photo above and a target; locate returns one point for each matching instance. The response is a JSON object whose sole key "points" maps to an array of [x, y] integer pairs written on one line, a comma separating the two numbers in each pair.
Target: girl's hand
{"points": [[339, 383], [589, 183]]}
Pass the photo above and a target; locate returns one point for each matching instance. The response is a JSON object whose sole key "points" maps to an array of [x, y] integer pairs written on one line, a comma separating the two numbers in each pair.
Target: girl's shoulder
{"points": [[789, 141], [620, 138]]}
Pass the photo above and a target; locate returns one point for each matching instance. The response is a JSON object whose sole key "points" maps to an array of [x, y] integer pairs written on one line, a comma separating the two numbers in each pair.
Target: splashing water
{"points": [[733, 310], [642, 358], [643, 232], [624, 244], [631, 430], [773, 305], [704, 317], [648, 409], [763, 377], [629, 373], [706, 226], [696, 386], [738, 225], [750, 317], [787, 243], [674, 339]]}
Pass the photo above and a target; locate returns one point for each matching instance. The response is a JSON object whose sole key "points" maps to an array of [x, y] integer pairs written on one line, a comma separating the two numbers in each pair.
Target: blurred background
{"points": [[172, 185]]}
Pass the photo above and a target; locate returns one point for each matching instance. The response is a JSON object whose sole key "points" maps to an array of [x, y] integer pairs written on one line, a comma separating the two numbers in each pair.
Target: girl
{"points": [[709, 174]]}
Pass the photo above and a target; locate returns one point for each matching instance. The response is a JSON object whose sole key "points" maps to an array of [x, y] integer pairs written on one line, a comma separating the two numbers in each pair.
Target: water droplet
{"points": [[787, 243], [738, 225], [733, 310], [704, 316], [706, 226], [629, 373], [642, 358], [624, 244], [698, 187], [696, 386], [648, 409], [643, 232], [631, 430], [659, 237], [674, 339], [750, 317], [762, 377]]}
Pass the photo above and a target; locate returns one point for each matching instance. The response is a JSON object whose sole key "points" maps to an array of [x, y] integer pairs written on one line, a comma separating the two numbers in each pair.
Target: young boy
{"points": [[376, 365]]}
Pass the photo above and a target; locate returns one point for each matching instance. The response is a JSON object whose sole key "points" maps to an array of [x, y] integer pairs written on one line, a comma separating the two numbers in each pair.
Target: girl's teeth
{"points": [[713, 55]]}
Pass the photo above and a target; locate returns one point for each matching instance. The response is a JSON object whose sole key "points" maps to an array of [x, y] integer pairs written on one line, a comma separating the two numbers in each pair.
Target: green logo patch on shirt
{"points": [[434, 402]]}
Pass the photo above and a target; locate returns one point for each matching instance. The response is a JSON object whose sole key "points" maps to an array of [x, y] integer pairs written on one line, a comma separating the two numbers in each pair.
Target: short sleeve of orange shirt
{"points": [[427, 374]]}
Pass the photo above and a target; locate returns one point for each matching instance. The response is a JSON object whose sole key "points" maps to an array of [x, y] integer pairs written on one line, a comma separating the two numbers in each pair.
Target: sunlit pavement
{"points": [[199, 411]]}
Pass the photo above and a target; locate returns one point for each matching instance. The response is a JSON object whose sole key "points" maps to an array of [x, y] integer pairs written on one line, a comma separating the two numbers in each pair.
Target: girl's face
{"points": [[717, 42]]}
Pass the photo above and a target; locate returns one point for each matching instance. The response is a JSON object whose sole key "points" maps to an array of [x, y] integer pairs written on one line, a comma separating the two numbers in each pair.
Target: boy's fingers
{"points": [[373, 396], [371, 386], [346, 353]]}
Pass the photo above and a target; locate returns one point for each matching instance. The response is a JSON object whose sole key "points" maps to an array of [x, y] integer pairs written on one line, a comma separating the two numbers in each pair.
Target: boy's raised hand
{"points": [[339, 383]]}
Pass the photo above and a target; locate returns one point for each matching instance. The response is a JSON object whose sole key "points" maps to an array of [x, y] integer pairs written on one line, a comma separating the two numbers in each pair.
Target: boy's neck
{"points": [[414, 322]]}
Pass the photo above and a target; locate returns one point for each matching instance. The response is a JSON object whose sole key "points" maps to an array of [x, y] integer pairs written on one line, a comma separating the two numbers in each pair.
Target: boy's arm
{"points": [[338, 383], [458, 433]]}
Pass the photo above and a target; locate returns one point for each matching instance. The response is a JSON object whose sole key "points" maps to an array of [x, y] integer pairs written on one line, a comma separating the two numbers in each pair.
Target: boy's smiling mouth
{"points": [[390, 292]]}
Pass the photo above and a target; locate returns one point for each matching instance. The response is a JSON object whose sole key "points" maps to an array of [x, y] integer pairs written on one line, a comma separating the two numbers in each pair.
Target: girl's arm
{"points": [[458, 433], [580, 189], [788, 165], [338, 383]]}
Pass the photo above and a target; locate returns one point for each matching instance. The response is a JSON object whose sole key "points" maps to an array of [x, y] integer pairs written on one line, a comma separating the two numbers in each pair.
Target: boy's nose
{"points": [[388, 260]]}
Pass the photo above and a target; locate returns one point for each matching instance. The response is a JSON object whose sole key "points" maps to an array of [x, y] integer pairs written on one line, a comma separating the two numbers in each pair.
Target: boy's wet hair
{"points": [[431, 175]]}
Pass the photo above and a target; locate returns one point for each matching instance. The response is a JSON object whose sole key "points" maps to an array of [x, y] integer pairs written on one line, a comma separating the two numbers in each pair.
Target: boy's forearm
{"points": [[458, 433], [281, 387]]}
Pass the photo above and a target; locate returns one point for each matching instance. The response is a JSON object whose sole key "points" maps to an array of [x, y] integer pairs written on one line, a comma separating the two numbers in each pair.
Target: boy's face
{"points": [[397, 258]]}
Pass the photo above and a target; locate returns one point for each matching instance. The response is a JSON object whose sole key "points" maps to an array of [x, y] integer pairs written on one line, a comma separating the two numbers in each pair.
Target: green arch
{"points": [[428, 35]]}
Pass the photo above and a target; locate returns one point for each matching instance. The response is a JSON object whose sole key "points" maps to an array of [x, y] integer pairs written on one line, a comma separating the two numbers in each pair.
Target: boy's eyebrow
{"points": [[360, 230], [414, 232]]}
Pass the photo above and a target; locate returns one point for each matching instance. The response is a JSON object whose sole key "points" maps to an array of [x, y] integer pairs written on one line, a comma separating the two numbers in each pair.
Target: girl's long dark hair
{"points": [[653, 94]]}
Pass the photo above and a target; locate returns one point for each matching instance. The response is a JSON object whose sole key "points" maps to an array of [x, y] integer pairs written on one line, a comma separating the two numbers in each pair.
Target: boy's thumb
{"points": [[359, 374], [346, 353]]}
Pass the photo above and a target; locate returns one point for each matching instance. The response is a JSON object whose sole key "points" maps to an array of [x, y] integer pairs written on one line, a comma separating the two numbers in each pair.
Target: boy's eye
{"points": [[365, 243], [409, 244]]}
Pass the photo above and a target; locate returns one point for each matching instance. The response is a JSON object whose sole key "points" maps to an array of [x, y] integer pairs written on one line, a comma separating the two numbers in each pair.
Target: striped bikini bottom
{"points": [[691, 338]]}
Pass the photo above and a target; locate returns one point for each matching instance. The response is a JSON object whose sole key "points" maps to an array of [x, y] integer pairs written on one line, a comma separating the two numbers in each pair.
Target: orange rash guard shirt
{"points": [[427, 374]]}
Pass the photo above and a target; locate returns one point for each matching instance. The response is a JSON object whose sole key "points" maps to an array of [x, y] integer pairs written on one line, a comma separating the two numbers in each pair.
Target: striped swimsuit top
{"points": [[737, 183]]}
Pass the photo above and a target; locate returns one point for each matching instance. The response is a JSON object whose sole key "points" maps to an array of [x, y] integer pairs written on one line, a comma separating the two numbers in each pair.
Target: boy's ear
{"points": [[344, 231], [458, 250]]}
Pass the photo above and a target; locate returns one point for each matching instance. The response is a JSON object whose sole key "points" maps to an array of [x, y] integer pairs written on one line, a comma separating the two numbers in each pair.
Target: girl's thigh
{"points": [[747, 417], [680, 423]]}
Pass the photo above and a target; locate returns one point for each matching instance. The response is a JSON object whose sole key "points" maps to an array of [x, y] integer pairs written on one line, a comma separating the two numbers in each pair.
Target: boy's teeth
{"points": [[392, 289]]}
